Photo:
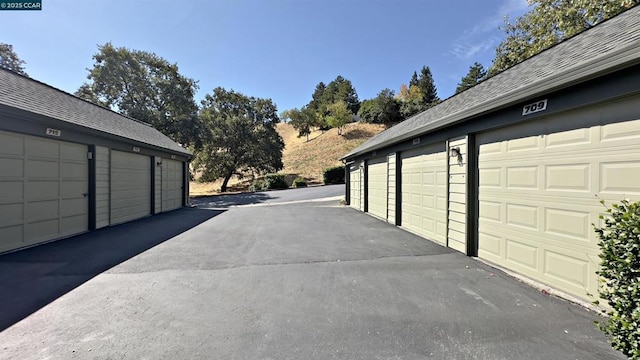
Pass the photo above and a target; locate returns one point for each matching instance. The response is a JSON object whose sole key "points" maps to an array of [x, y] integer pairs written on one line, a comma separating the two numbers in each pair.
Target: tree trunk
{"points": [[223, 188]]}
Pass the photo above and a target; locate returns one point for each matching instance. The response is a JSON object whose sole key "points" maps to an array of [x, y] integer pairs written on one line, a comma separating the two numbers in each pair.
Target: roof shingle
{"points": [[30, 95]]}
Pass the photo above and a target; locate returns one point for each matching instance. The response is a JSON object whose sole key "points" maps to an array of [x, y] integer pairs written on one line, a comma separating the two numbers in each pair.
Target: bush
{"points": [[299, 182], [333, 175], [275, 181], [619, 242], [257, 185]]}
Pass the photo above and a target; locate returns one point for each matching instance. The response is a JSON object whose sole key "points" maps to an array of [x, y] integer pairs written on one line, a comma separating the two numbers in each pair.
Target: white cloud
{"points": [[477, 39], [468, 50]]}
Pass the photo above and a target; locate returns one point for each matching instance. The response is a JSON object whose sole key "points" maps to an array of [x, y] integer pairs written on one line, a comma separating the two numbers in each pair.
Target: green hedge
{"points": [[619, 242], [333, 175]]}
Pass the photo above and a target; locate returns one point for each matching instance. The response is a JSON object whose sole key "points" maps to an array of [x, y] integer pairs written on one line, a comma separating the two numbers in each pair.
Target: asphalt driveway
{"points": [[295, 280]]}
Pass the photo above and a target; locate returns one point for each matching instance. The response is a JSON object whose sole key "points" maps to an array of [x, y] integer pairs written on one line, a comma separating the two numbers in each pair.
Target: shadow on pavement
{"points": [[227, 201], [32, 278]]}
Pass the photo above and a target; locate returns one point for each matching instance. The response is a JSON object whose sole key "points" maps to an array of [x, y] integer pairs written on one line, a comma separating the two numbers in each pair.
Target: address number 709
{"points": [[535, 107]]}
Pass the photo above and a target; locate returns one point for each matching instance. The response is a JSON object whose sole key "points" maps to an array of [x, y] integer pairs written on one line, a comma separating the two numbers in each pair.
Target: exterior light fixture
{"points": [[455, 152]]}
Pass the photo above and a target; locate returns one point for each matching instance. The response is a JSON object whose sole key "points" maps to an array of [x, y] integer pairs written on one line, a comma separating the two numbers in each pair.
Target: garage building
{"points": [[68, 166], [512, 170]]}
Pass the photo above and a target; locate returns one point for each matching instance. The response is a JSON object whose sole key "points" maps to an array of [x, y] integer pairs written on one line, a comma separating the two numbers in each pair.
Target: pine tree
{"points": [[476, 74]]}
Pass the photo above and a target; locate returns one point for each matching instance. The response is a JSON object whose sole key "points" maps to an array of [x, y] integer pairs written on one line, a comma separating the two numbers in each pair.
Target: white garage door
{"points": [[43, 190], [377, 187], [424, 192], [537, 187], [355, 186], [172, 185], [130, 186]]}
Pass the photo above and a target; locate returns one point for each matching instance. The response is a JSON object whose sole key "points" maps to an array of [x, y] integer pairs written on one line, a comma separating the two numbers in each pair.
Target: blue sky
{"points": [[278, 49]]}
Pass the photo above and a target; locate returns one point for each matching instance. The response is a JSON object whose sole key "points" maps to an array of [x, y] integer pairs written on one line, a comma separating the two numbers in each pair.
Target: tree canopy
{"points": [[240, 136], [10, 60], [548, 23], [301, 119], [339, 115], [420, 95], [324, 96], [476, 74], [146, 87], [383, 109]]}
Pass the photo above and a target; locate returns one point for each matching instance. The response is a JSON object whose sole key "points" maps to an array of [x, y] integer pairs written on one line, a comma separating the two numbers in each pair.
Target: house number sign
{"points": [[53, 132], [534, 107]]}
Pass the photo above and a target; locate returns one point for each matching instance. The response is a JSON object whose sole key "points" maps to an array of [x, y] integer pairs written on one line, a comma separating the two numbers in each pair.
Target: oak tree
{"points": [[10, 60], [146, 87], [240, 136]]}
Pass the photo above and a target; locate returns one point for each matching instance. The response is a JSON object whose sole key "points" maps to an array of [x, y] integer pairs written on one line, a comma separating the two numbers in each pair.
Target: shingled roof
{"points": [[23, 93], [607, 47]]}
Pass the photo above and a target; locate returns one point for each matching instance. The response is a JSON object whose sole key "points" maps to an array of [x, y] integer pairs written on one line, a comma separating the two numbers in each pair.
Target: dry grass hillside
{"points": [[303, 158], [308, 158]]}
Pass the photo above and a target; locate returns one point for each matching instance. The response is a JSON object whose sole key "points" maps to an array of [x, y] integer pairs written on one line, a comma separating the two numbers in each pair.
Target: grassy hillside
{"points": [[304, 158], [309, 158]]}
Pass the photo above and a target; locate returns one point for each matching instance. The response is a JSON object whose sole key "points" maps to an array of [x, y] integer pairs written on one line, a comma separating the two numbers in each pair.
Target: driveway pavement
{"points": [[302, 280]]}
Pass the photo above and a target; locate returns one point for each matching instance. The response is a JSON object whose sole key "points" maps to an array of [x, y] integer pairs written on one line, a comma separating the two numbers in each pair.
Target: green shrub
{"points": [[619, 242], [299, 182], [333, 175], [275, 181], [257, 185]]}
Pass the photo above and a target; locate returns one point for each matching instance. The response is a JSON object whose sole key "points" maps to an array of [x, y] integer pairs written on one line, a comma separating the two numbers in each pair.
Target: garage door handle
{"points": [[85, 194]]}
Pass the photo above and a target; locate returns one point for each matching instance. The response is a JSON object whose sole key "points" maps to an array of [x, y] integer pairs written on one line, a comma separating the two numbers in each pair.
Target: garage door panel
{"points": [[73, 207], [573, 138], [620, 177], [74, 170], [568, 177], [74, 224], [41, 190], [11, 168], [628, 130], [566, 268], [42, 230], [11, 214], [42, 210], [522, 254], [11, 237], [42, 169], [491, 248], [42, 148], [567, 223], [72, 189], [11, 144], [69, 152]]}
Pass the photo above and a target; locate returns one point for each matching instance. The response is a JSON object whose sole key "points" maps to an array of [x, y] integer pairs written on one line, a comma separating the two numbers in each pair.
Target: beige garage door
{"points": [[130, 186], [355, 185], [172, 185], [537, 191], [43, 190], [377, 187], [424, 192]]}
